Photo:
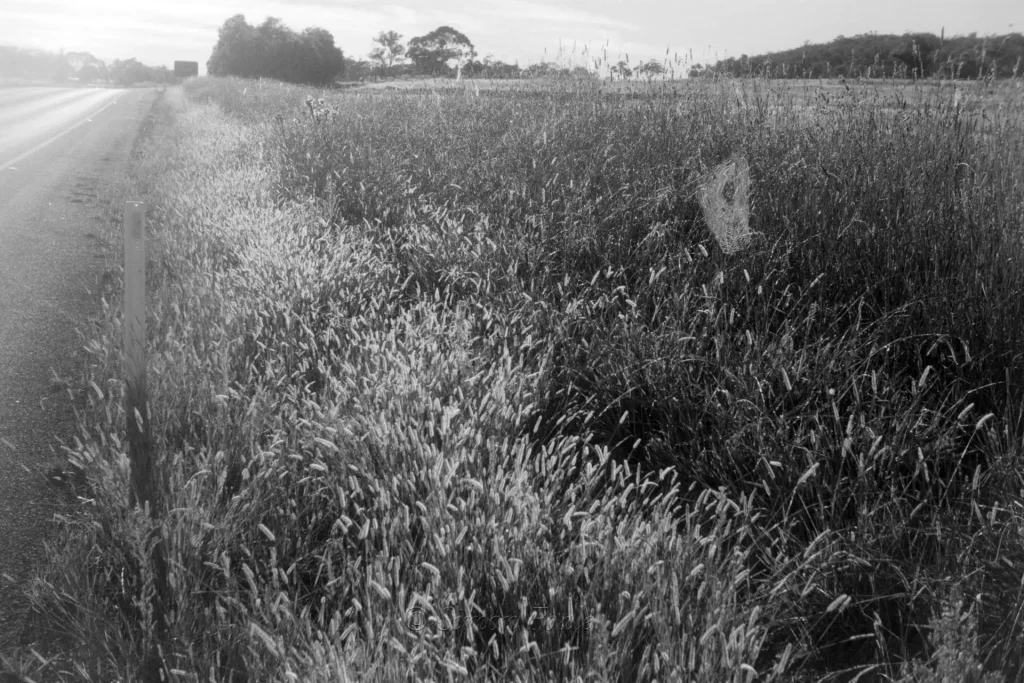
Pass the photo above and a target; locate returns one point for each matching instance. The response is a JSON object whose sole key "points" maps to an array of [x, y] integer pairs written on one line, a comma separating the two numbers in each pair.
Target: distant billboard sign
{"points": [[186, 69]]}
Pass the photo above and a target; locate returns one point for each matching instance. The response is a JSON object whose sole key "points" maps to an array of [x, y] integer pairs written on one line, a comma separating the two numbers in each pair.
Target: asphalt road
{"points": [[58, 148]]}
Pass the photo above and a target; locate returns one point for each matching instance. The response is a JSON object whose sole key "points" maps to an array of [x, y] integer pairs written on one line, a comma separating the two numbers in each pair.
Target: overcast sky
{"points": [[161, 32]]}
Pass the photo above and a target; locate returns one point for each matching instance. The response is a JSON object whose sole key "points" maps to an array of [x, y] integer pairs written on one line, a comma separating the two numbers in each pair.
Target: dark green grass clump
{"points": [[460, 385]]}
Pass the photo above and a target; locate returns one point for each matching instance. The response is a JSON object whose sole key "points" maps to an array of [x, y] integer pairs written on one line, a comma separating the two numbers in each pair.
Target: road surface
{"points": [[59, 147]]}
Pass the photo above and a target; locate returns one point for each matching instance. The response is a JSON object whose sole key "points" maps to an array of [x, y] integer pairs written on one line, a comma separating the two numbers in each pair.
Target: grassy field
{"points": [[457, 385]]}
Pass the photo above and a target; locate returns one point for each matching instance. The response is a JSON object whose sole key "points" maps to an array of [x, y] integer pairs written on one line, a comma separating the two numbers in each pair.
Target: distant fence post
{"points": [[136, 398]]}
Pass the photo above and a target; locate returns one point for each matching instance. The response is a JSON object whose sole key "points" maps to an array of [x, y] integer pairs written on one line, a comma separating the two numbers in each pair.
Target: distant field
{"points": [[835, 85], [512, 84], [6, 82], [25, 83], [463, 387]]}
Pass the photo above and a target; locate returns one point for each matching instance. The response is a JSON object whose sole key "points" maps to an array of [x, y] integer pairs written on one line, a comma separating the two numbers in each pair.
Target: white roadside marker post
{"points": [[136, 412], [144, 490]]}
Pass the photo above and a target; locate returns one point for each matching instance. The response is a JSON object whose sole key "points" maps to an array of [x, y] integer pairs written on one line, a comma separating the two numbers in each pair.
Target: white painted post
{"points": [[135, 353], [135, 291], [144, 489]]}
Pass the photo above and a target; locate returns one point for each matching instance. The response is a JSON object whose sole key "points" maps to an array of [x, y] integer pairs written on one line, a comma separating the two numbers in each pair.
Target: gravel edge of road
{"points": [[63, 501]]}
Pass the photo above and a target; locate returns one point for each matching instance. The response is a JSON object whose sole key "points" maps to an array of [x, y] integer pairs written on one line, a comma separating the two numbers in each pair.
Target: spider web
{"points": [[728, 217]]}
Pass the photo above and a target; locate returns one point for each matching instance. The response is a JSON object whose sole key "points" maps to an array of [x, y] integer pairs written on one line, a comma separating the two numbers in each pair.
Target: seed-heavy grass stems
{"points": [[458, 385]]}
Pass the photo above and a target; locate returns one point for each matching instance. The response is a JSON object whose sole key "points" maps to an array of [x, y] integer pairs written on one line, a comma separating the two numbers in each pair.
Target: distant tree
{"points": [[234, 53], [651, 69], [128, 71], [874, 55], [131, 71], [357, 69], [917, 51], [322, 60], [389, 50], [92, 72], [161, 74], [30, 63], [85, 67], [622, 70], [272, 50], [540, 70], [495, 68], [441, 51], [275, 49]]}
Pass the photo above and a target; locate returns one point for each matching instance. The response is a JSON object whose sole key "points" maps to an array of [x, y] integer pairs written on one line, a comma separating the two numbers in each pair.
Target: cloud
{"points": [[550, 14], [323, 4]]}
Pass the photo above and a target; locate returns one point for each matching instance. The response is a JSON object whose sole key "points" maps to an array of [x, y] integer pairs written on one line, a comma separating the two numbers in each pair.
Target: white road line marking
{"points": [[58, 136]]}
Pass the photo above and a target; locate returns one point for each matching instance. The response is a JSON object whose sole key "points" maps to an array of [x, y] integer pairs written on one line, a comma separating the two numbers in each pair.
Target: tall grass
{"points": [[457, 385]]}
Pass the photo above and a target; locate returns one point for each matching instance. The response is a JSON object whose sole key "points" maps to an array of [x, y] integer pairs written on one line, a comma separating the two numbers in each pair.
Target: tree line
{"points": [[448, 52], [81, 67], [871, 55], [271, 50]]}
